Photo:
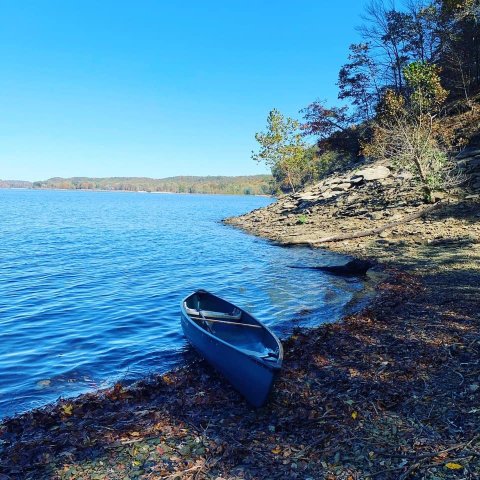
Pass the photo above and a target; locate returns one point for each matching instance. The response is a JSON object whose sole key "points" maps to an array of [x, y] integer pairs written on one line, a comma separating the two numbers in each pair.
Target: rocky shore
{"points": [[390, 393], [366, 199]]}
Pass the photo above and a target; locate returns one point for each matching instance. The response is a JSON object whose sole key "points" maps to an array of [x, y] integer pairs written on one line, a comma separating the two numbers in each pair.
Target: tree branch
{"points": [[373, 231]]}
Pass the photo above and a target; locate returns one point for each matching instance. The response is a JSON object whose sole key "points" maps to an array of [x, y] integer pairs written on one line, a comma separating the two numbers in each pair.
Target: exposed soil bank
{"points": [[392, 392]]}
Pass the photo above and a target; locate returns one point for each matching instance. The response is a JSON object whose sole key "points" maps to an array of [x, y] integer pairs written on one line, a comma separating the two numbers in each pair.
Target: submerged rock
{"points": [[355, 267]]}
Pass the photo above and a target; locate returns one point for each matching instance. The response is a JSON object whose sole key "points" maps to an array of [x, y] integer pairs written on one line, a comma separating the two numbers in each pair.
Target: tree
{"points": [[388, 31], [323, 121], [358, 81], [426, 94], [459, 23], [284, 150], [407, 130], [425, 40]]}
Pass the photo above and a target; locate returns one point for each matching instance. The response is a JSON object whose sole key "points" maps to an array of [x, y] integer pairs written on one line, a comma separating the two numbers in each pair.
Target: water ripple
{"points": [[90, 285]]}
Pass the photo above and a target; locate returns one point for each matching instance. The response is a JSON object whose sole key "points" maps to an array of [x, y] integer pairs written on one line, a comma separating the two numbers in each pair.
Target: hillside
{"points": [[240, 185]]}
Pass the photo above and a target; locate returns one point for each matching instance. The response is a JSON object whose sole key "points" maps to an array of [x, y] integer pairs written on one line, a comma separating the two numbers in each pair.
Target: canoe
{"points": [[245, 351]]}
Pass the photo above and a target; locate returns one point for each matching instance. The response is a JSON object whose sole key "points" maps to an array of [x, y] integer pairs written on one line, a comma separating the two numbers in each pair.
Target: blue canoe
{"points": [[235, 343]]}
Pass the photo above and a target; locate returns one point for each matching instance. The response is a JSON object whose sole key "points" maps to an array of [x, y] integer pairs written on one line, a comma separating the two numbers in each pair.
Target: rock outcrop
{"points": [[469, 164], [364, 199]]}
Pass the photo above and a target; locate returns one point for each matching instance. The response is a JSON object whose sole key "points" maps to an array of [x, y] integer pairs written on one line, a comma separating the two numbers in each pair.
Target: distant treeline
{"points": [[242, 185], [15, 184]]}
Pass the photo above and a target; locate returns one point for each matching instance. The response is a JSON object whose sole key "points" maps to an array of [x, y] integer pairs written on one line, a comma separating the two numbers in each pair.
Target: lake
{"points": [[91, 282]]}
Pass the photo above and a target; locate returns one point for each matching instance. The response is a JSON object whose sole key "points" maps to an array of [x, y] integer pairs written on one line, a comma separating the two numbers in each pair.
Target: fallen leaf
{"points": [[168, 380], [67, 409], [354, 415], [453, 466]]}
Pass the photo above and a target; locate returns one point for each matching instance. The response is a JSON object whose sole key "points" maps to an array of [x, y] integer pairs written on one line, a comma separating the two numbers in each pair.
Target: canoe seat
{"points": [[236, 314]]}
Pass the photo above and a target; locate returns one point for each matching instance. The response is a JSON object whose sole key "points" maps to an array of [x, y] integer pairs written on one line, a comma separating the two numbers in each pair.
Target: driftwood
{"points": [[373, 231]]}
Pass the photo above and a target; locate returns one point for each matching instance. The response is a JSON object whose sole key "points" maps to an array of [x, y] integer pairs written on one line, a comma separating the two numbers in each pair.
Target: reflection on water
{"points": [[91, 282]]}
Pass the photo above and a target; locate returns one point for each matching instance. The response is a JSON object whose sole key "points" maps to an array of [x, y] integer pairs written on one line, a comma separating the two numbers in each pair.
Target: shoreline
{"points": [[383, 393], [133, 191]]}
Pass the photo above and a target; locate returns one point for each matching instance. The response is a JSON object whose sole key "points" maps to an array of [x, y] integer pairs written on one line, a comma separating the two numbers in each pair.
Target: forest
{"points": [[240, 185], [408, 93]]}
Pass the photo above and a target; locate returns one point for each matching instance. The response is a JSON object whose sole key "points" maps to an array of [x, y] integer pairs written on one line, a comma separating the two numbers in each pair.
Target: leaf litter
{"points": [[385, 394]]}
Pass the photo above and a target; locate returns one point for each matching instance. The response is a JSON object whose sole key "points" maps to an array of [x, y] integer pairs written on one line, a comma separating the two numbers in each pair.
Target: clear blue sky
{"points": [[157, 88]]}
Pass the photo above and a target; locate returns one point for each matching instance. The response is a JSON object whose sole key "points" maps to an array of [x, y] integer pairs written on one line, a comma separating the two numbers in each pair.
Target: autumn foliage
{"points": [[414, 61]]}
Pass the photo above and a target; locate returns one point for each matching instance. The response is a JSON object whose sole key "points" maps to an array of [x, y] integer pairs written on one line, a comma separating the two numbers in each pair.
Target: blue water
{"points": [[90, 285]]}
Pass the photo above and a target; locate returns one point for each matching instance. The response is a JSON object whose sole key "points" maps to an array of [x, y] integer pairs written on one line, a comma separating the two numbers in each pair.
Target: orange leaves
{"points": [[117, 392], [168, 380]]}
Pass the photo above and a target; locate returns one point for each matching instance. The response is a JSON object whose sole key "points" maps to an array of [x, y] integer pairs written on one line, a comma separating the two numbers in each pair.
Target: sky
{"points": [[159, 88]]}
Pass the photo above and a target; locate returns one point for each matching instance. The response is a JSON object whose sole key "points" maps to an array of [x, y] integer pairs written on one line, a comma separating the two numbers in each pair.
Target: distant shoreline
{"points": [[135, 191], [227, 185]]}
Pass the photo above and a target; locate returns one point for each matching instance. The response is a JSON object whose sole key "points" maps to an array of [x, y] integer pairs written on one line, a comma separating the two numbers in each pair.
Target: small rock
{"points": [[405, 175], [341, 187], [331, 193], [356, 180], [308, 197], [437, 196], [375, 215]]}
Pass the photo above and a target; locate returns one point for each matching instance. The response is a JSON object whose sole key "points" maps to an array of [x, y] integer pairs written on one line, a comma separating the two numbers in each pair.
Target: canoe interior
{"points": [[253, 341]]}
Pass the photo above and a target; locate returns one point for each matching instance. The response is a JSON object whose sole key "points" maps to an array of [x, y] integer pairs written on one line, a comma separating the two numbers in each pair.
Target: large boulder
{"points": [[373, 173]]}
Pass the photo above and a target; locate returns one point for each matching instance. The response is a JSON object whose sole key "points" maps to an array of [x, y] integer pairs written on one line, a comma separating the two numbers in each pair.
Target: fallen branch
{"points": [[430, 454], [373, 231]]}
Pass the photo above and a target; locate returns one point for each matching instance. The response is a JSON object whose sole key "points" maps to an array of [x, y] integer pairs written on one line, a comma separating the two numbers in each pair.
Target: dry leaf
{"points": [[67, 409], [453, 466]]}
